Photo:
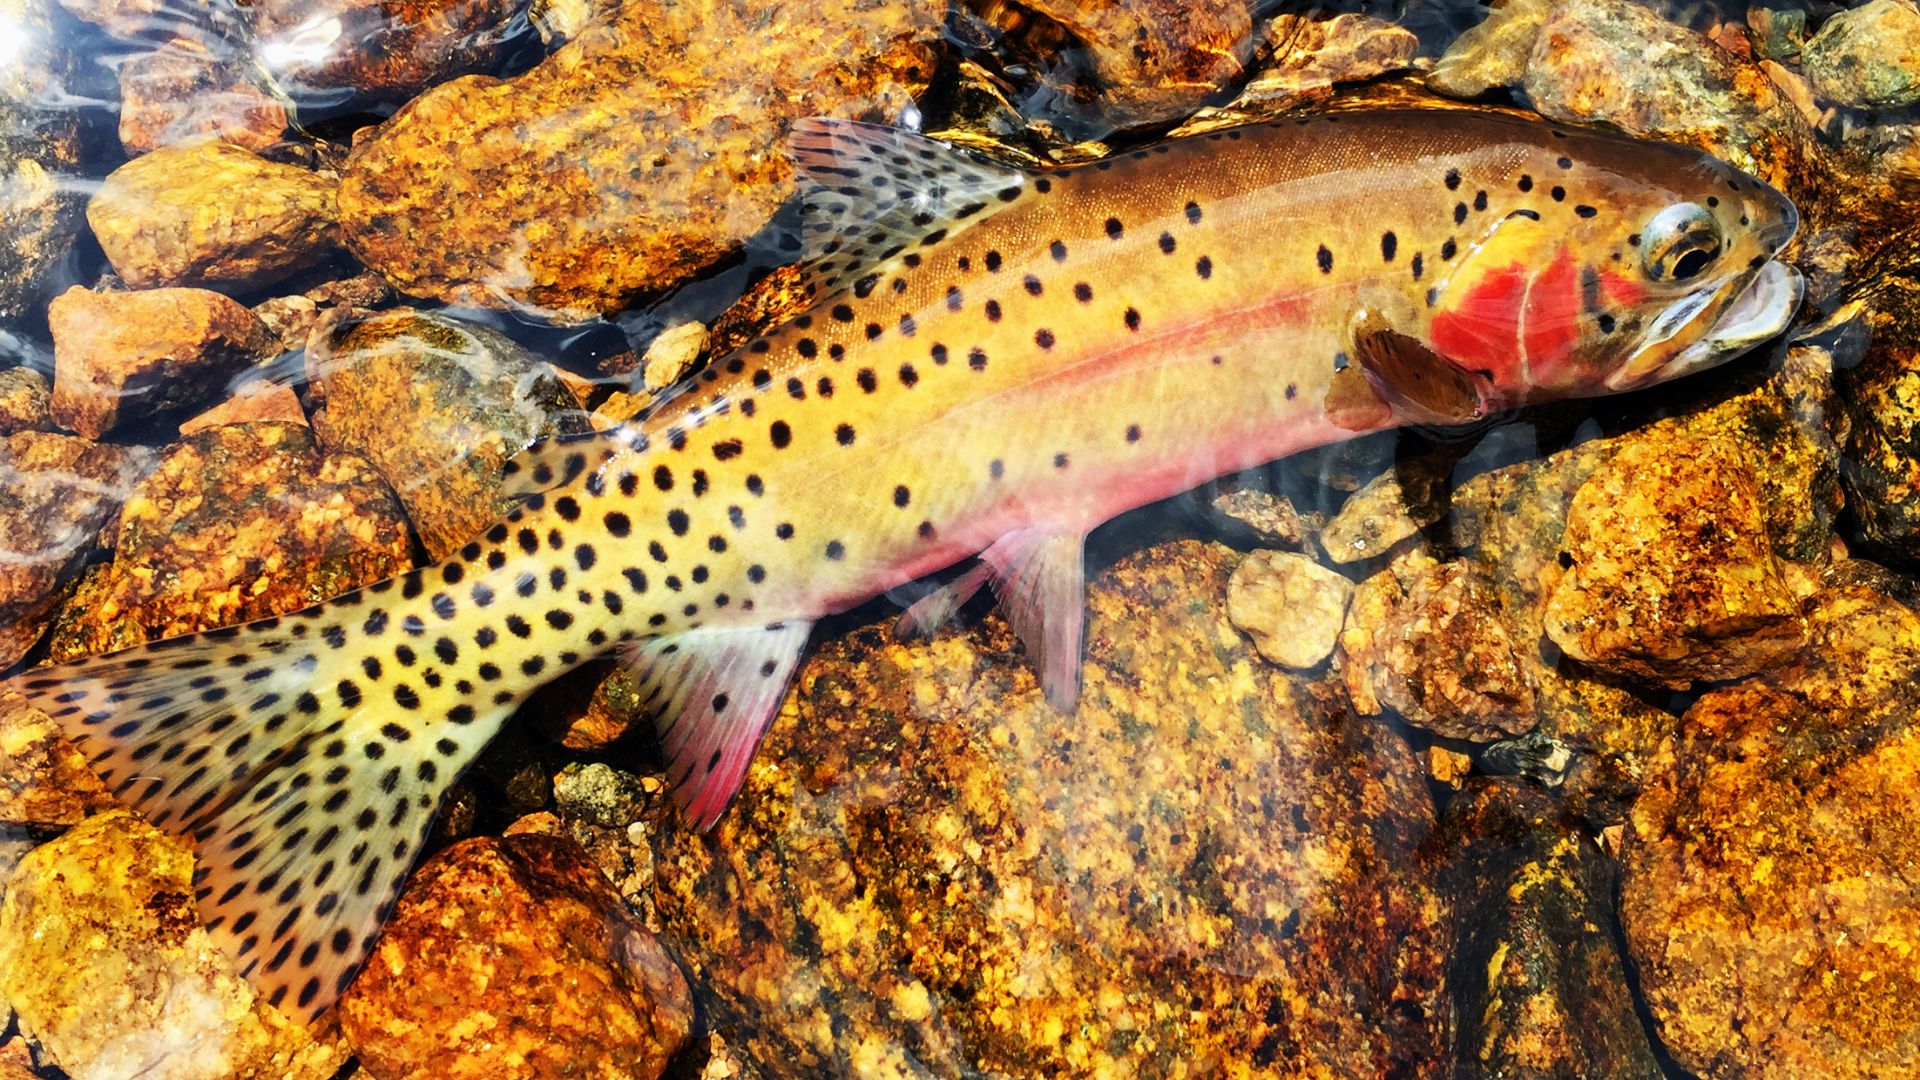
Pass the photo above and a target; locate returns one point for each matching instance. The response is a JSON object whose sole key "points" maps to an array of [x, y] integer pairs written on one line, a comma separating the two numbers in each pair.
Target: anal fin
{"points": [[713, 693]]}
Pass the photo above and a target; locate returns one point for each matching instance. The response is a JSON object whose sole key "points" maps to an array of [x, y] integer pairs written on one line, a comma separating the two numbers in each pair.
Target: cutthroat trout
{"points": [[997, 362]]}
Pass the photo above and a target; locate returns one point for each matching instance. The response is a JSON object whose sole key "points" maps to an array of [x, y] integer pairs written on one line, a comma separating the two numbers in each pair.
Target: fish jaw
{"points": [[1762, 310]]}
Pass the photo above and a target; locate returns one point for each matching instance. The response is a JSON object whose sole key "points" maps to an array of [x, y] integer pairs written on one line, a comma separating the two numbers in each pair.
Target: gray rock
{"points": [[1867, 57], [40, 206]]}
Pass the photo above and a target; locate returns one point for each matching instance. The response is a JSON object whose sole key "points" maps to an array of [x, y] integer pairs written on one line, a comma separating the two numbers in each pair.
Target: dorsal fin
{"points": [[871, 194]]}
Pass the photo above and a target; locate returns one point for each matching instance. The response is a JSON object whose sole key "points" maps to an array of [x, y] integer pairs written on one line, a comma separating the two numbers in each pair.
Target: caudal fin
{"points": [[266, 744]]}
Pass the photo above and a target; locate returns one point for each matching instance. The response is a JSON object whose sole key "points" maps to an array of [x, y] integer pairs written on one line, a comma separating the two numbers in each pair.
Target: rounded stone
{"points": [[1867, 57], [1291, 606]]}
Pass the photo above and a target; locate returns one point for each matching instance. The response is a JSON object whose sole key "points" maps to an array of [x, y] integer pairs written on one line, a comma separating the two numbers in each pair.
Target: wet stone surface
{"points": [[373, 51], [40, 209], [456, 198], [1540, 988], [124, 356], [1767, 892], [25, 399], [930, 869], [194, 89], [103, 957], [235, 523], [44, 781], [515, 957], [438, 405], [56, 494]]}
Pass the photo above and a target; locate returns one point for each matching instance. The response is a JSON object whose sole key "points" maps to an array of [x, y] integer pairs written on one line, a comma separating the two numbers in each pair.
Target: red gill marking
{"points": [[1620, 290], [1482, 331], [1552, 323]]}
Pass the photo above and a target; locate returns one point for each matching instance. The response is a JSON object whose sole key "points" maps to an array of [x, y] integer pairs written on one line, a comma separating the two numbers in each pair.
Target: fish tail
{"points": [[286, 749]]}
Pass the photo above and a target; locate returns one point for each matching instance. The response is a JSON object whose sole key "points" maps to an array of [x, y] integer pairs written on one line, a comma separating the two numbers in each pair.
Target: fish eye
{"points": [[1680, 242]]}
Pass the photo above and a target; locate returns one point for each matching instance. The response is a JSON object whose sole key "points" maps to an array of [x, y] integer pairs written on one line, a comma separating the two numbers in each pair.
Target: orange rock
{"points": [[151, 350], [181, 92], [24, 400], [211, 213], [376, 49], [515, 957], [637, 154], [44, 780], [254, 401]]}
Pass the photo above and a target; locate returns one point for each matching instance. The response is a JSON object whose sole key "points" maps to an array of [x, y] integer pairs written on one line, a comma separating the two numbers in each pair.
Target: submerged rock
{"points": [[40, 204], [1438, 653], [930, 871], [237, 522], [1867, 57], [212, 214], [1768, 894], [1622, 63], [438, 405], [123, 356], [103, 957], [371, 51], [1540, 987], [25, 399], [1670, 575], [1291, 606], [515, 957], [654, 154], [56, 494], [44, 781], [1882, 397], [1155, 60], [254, 401], [194, 89], [1301, 58]]}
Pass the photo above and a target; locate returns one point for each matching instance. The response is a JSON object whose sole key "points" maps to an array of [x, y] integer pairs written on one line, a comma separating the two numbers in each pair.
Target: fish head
{"points": [[1640, 263]]}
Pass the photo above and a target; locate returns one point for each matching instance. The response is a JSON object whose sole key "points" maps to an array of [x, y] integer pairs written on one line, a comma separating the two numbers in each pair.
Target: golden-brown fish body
{"points": [[997, 363]]}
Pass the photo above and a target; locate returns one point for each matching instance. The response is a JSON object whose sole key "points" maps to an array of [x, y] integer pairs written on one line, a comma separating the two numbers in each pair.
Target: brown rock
{"points": [[184, 92], [295, 318], [257, 400], [1247, 501], [438, 405], [1291, 606], [103, 956], [1302, 58], [130, 19], [1671, 576], [1441, 656], [1541, 989], [514, 957], [56, 493], [25, 397], [1882, 399], [44, 781], [40, 196], [1768, 894], [237, 522], [1156, 60], [656, 155], [1208, 867], [376, 50], [126, 355], [212, 214], [615, 709]]}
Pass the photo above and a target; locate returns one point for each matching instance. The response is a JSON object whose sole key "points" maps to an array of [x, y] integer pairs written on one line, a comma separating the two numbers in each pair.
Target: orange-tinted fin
{"points": [[872, 193], [1420, 385], [1039, 576], [713, 693], [307, 797]]}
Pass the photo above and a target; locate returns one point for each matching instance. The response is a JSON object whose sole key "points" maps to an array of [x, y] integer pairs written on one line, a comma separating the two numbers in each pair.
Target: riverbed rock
{"points": [[515, 957], [930, 871], [1621, 63], [1289, 605], [1670, 574], [212, 214], [438, 405], [193, 89], [656, 154], [1540, 987], [56, 494], [376, 51], [1302, 57], [103, 956], [1438, 652], [1767, 891], [123, 356], [235, 523], [25, 398], [254, 401], [1155, 60], [44, 781], [1867, 57], [40, 201], [1882, 396]]}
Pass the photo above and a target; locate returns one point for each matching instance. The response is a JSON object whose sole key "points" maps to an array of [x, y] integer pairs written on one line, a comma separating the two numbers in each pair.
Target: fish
{"points": [[990, 363]]}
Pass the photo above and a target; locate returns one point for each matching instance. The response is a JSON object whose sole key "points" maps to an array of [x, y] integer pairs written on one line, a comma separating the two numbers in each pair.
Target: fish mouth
{"points": [[1762, 310]]}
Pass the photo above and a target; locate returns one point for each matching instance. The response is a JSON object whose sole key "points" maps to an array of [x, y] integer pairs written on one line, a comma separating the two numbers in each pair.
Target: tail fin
{"points": [[307, 799]]}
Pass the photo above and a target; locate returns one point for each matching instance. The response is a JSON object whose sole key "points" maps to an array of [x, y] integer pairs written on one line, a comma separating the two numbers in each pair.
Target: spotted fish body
{"points": [[997, 363]]}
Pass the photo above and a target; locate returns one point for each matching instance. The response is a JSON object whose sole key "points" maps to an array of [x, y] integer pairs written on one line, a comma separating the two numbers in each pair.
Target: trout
{"points": [[996, 362]]}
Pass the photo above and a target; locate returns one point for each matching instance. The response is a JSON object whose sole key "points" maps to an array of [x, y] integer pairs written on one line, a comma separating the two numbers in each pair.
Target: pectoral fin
{"points": [[1420, 385]]}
